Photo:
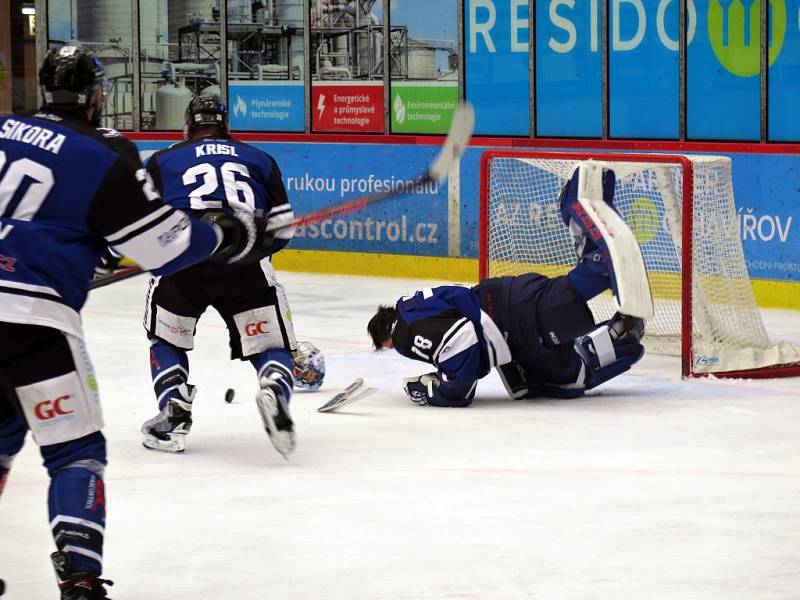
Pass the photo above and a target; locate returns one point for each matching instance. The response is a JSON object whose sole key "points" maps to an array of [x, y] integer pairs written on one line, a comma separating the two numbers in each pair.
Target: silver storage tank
{"points": [[171, 102], [182, 11]]}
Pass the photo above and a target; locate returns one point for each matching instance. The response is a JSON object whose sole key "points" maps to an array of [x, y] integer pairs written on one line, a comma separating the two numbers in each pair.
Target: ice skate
{"points": [[274, 412], [168, 429], [77, 586]]}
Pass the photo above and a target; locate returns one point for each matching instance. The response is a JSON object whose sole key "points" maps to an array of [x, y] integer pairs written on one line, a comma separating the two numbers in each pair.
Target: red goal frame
{"points": [[789, 370]]}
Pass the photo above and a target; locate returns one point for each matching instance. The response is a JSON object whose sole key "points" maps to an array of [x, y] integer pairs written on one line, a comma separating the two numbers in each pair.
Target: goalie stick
{"points": [[454, 144], [347, 396]]}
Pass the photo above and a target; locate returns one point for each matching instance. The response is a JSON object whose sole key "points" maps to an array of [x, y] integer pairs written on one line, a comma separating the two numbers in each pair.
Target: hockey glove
{"points": [[108, 263], [420, 389], [239, 237]]}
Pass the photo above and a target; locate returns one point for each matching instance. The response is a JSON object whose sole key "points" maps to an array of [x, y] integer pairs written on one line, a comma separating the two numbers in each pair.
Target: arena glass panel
{"points": [[497, 71], [568, 69], [643, 70], [723, 66], [784, 75], [106, 29], [266, 90], [179, 57], [424, 74], [347, 67]]}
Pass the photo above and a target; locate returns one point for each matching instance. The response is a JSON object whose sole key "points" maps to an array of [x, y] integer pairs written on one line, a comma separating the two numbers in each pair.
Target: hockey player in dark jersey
{"points": [[538, 332], [208, 172], [69, 189]]}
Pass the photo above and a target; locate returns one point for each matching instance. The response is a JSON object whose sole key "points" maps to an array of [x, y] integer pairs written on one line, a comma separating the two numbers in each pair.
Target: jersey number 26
{"points": [[238, 194]]}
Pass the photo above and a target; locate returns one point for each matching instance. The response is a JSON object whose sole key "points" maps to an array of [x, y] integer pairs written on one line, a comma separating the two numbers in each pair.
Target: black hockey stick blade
{"points": [[116, 276]]}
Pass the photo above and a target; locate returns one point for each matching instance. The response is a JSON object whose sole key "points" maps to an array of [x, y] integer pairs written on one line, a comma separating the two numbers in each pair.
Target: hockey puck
{"points": [[229, 395], [2, 587]]}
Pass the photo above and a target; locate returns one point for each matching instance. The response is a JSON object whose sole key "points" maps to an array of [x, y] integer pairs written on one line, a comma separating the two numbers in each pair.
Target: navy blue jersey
{"points": [[67, 190], [445, 326], [212, 174]]}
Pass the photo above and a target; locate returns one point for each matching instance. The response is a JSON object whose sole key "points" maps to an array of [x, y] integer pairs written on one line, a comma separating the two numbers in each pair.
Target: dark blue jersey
{"points": [[67, 190], [212, 174], [445, 326]]}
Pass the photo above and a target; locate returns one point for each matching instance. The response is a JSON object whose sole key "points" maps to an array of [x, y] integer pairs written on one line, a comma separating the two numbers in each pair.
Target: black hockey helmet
{"points": [[70, 77], [207, 109]]}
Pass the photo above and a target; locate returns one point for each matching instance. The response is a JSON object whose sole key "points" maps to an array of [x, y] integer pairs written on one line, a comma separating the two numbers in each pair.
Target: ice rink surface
{"points": [[649, 487]]}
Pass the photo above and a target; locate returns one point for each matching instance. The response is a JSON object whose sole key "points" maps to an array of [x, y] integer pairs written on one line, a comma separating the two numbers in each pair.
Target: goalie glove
{"points": [[420, 389], [430, 389]]}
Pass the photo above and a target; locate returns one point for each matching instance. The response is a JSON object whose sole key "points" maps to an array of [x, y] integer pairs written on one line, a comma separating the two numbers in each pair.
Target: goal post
{"points": [[682, 212]]}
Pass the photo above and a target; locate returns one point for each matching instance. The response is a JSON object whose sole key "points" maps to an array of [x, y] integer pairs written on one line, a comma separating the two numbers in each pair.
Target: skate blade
{"points": [[283, 441], [175, 445]]}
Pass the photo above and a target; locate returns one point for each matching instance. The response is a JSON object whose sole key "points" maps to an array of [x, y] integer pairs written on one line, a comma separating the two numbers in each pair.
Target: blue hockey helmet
{"points": [[308, 366]]}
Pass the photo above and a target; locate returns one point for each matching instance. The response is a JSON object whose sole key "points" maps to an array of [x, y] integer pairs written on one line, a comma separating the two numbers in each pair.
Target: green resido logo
{"points": [[642, 217], [734, 29]]}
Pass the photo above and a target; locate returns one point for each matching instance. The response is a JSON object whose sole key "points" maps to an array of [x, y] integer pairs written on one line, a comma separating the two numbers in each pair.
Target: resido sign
{"points": [[733, 27]]}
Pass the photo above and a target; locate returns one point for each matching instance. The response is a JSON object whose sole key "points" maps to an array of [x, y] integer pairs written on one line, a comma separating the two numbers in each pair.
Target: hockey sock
{"points": [[169, 367], [77, 501], [276, 364]]}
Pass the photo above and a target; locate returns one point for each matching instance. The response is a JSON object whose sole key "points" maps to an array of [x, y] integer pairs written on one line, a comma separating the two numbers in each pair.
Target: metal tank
{"points": [[290, 12], [240, 11], [100, 22], [182, 12], [171, 102], [421, 62]]}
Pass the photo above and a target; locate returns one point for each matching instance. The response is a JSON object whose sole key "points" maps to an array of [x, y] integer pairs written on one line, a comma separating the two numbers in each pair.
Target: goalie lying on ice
{"points": [[537, 331]]}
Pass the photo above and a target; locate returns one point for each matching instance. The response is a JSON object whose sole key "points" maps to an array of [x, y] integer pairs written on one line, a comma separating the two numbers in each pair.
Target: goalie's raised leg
{"points": [[607, 250]]}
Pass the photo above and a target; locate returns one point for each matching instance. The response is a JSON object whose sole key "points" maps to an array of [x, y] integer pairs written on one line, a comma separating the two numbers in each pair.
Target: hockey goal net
{"points": [[682, 211]]}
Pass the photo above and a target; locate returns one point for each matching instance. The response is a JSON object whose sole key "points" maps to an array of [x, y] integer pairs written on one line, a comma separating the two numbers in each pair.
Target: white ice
{"points": [[649, 487]]}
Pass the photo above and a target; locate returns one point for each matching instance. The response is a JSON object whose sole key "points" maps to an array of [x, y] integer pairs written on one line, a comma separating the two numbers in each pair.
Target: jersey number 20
{"points": [[13, 179], [231, 186]]}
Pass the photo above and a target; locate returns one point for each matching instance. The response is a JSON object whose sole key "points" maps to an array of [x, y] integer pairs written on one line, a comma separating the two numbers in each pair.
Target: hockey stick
{"points": [[114, 277], [454, 144]]}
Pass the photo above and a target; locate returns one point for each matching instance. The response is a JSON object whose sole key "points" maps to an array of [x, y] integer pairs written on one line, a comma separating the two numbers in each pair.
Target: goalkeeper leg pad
{"points": [[603, 242]]}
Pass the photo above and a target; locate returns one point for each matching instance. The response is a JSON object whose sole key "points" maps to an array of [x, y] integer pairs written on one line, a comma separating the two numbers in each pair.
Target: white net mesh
{"points": [[526, 233]]}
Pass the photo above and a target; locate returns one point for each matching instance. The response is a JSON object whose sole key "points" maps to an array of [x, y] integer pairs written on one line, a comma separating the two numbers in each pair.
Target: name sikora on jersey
{"points": [[34, 135]]}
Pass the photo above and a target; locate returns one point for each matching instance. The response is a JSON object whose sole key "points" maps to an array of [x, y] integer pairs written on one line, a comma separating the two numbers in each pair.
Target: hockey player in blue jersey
{"points": [[208, 172], [537, 331], [69, 189]]}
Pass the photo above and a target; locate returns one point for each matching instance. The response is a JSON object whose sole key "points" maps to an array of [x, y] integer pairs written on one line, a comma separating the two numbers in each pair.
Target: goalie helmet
{"points": [[308, 366]]}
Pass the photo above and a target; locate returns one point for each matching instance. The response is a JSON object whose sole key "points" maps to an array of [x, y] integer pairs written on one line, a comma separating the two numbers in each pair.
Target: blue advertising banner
{"points": [[784, 82], [266, 106], [723, 89], [568, 69], [497, 74], [643, 70], [320, 175], [765, 190]]}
